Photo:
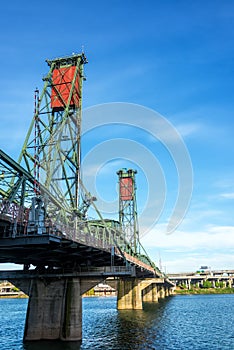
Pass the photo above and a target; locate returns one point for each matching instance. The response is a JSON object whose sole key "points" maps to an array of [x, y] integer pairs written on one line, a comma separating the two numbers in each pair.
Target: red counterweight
{"points": [[63, 81], [126, 189]]}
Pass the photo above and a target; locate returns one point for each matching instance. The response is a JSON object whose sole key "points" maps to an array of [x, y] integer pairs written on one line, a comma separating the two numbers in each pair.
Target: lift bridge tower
{"points": [[128, 208], [51, 151]]}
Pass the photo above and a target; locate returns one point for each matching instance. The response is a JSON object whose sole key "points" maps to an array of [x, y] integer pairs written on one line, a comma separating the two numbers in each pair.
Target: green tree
{"points": [[207, 284]]}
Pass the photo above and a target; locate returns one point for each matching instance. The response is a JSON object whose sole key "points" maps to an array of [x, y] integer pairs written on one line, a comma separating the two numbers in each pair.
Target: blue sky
{"points": [[173, 57]]}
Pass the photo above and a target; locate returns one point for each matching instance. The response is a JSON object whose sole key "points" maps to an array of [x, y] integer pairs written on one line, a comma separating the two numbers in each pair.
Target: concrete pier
{"points": [[132, 292], [55, 301], [162, 293], [55, 309], [129, 294], [150, 293]]}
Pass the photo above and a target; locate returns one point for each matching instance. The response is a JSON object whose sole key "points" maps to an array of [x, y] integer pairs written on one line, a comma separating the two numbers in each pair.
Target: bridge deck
{"points": [[52, 250], [60, 252]]}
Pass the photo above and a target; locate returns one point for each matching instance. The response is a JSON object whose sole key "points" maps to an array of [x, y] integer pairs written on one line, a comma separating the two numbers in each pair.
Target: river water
{"points": [[194, 322]]}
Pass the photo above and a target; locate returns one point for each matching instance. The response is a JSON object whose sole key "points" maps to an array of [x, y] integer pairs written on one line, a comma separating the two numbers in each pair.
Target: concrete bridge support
{"points": [[162, 293], [150, 293], [129, 294], [55, 309], [189, 283], [132, 291]]}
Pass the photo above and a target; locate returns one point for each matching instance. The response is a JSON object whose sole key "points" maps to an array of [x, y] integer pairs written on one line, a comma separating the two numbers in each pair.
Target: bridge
{"points": [[192, 279], [44, 222]]}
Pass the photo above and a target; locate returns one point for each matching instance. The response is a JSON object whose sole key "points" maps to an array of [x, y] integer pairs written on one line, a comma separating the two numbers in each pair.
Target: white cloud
{"points": [[212, 237], [227, 195], [188, 129], [188, 263]]}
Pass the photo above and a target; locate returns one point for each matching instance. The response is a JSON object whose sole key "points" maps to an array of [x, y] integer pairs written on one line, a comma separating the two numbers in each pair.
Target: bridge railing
{"points": [[17, 223], [90, 233]]}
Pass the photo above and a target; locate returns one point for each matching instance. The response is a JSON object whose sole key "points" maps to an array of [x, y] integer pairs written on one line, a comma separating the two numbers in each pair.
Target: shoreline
{"points": [[204, 291], [177, 292], [14, 296]]}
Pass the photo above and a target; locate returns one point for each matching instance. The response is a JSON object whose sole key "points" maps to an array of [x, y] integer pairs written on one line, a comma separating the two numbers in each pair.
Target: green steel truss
{"points": [[51, 151], [128, 208], [47, 175]]}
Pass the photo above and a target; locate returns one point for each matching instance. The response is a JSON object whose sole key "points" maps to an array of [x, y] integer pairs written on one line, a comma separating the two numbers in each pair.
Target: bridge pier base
{"points": [[132, 291], [54, 310], [129, 294], [150, 293], [162, 292]]}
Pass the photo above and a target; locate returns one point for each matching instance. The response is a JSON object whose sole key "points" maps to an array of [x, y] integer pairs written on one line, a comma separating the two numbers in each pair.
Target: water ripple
{"points": [[178, 323]]}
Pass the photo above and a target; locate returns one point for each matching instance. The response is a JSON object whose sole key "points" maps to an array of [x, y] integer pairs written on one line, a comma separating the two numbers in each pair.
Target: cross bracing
{"points": [[43, 194]]}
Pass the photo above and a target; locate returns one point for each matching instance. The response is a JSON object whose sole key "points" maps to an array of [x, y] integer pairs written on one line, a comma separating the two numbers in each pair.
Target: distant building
{"points": [[104, 289], [8, 290], [204, 270]]}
